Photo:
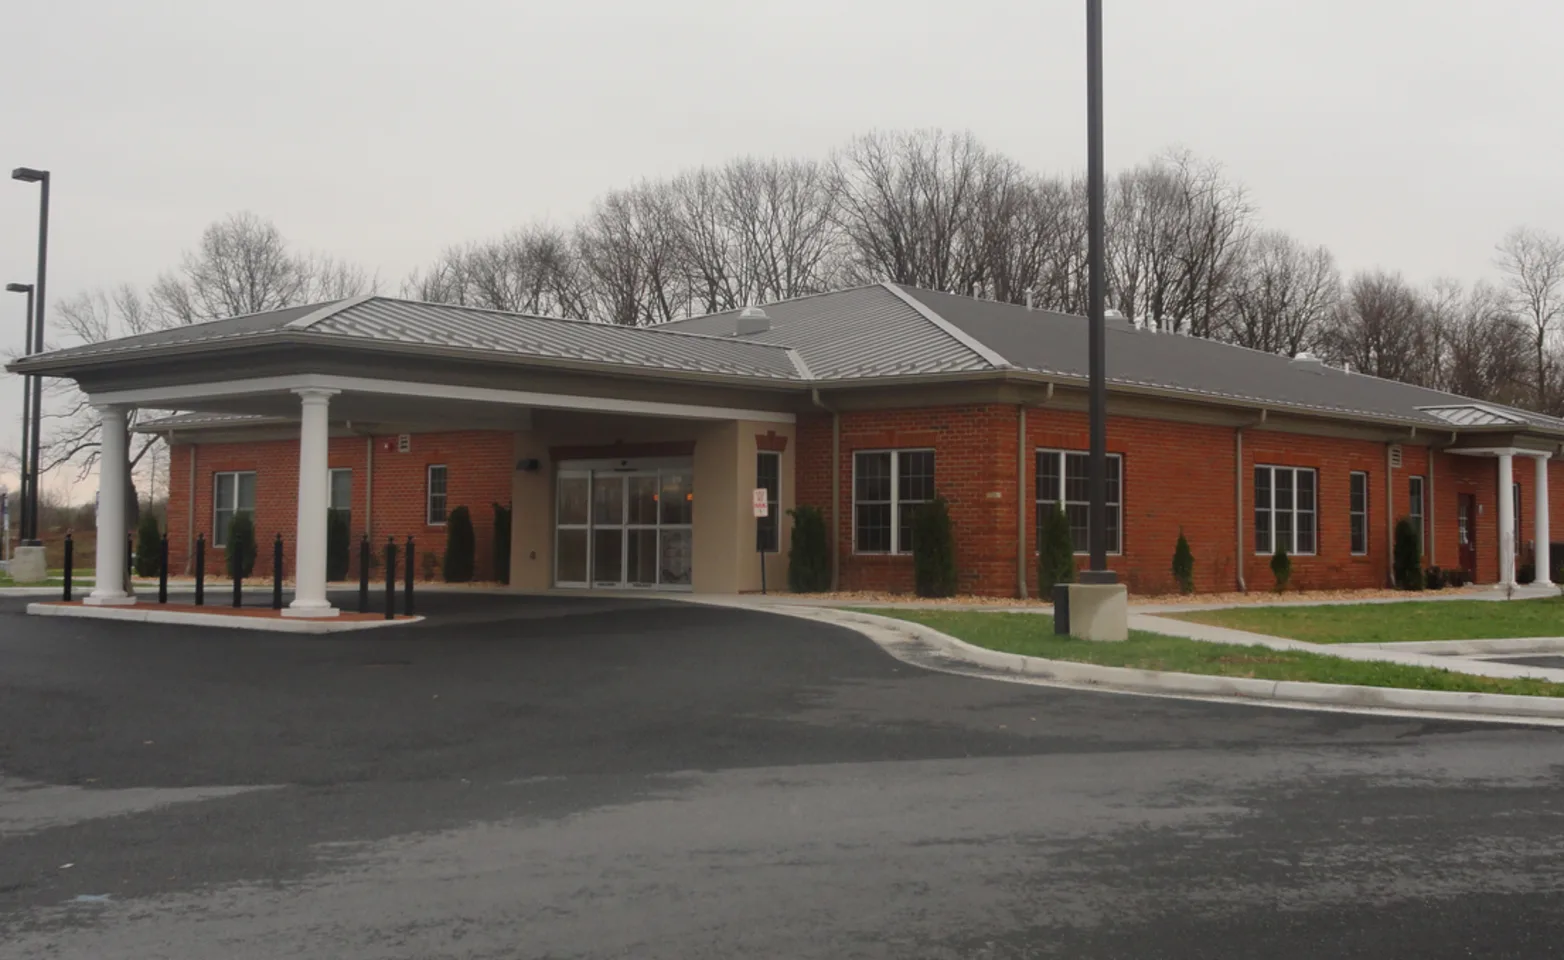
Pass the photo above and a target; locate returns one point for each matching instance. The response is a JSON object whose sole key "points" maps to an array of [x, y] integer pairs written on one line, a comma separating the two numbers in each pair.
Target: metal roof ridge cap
{"points": [[768, 303], [329, 310], [951, 330], [799, 364]]}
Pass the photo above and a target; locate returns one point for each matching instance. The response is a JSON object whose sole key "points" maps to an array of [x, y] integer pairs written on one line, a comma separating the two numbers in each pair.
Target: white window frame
{"points": [[445, 495], [1116, 548], [773, 503], [895, 501], [220, 530], [1352, 514], [1420, 518], [1292, 546], [331, 486]]}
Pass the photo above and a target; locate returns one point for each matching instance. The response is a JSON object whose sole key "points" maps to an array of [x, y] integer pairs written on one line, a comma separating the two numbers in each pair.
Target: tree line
{"points": [[1187, 252]]}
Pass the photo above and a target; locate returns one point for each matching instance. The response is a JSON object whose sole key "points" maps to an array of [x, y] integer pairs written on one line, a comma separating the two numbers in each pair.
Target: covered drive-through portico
{"points": [[585, 469], [654, 434]]}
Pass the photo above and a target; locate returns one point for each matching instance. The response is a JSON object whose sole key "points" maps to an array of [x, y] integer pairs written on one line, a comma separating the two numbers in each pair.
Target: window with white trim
{"points": [[341, 488], [1284, 509], [435, 500], [888, 487], [1358, 512], [1415, 510], [768, 476], [233, 493], [1063, 478]]}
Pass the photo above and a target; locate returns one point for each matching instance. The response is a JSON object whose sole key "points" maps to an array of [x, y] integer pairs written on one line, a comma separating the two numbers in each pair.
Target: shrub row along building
{"points": [[630, 454]]}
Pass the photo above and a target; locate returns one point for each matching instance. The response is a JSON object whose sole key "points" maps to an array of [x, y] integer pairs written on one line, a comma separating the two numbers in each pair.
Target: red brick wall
{"points": [[1156, 504], [1176, 476], [974, 458], [479, 467]]}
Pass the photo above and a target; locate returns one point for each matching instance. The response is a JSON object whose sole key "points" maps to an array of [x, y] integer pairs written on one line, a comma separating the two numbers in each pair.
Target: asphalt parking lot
{"points": [[564, 777]]}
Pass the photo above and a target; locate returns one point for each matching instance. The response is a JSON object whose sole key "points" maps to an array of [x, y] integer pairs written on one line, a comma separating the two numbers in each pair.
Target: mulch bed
{"points": [[231, 611]]}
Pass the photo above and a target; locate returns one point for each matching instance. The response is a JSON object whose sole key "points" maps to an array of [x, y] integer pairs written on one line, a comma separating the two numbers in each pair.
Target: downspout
{"points": [[1390, 518], [836, 484], [1022, 460], [190, 530], [1428, 508], [1021, 500], [369, 484], [1238, 495]]}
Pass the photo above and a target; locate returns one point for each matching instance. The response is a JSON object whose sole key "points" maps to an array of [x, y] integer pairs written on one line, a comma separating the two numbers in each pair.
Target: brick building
{"points": [[628, 455]]}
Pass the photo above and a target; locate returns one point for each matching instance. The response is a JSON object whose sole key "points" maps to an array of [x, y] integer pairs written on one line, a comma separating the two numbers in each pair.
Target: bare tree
{"points": [[1283, 295], [241, 265], [1532, 262], [631, 258], [1486, 348], [907, 208], [1381, 328]]}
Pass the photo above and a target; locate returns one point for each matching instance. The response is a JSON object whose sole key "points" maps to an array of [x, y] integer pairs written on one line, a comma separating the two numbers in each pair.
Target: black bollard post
{"points": [[390, 579], [363, 574], [238, 574], [200, 570], [407, 601], [70, 551], [277, 573], [162, 570]]}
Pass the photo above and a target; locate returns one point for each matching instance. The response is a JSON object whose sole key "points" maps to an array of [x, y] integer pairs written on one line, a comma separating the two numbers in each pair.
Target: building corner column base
{"points": [[96, 599]]}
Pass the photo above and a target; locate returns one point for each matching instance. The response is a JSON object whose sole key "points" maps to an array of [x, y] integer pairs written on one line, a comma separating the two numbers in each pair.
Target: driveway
{"points": [[562, 777]]}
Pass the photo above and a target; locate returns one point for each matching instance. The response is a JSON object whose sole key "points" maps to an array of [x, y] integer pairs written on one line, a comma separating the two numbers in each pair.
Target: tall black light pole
{"points": [[1097, 460], [27, 402], [41, 177]]}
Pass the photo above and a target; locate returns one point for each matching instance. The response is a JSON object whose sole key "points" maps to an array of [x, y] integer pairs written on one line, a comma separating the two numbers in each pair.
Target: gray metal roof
{"points": [[1055, 343], [861, 334], [855, 334], [184, 420], [466, 330]]}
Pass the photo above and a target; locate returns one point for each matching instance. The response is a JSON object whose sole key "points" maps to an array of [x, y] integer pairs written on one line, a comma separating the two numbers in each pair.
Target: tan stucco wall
{"points": [[723, 553]]}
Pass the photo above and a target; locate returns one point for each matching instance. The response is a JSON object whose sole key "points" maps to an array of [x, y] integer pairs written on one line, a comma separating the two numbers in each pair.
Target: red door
{"points": [[1466, 512]]}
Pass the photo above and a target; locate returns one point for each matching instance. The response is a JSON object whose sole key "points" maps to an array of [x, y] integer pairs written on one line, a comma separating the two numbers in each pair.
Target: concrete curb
{"points": [[1128, 680], [140, 614]]}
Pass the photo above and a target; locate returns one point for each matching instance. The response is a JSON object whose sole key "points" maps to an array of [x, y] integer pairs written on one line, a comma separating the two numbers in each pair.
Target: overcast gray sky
{"points": [[1409, 134]]}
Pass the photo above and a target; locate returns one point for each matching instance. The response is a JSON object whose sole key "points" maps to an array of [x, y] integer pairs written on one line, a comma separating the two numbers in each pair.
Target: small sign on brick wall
{"points": [[404, 443]]}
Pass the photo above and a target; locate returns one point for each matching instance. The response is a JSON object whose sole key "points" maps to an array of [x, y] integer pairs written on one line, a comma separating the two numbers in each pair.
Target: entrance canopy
{"points": [[372, 363]]}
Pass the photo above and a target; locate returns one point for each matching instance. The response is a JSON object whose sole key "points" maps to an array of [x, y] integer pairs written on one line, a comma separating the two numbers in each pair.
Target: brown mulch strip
{"points": [[1253, 597], [229, 611]]}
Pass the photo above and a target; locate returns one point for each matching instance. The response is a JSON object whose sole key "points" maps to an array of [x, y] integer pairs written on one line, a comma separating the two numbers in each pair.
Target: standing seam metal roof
{"points": [[852, 334]]}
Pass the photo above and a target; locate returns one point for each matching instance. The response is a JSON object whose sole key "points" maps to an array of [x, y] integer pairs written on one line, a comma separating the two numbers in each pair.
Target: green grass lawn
{"points": [[1033, 636], [56, 579], [1394, 622]]}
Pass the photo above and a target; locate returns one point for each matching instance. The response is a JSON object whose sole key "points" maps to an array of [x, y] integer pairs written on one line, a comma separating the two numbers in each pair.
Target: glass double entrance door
{"points": [[618, 528]]}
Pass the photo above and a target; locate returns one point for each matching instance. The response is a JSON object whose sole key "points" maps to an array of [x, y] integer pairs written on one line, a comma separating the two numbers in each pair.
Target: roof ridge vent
{"points": [[1308, 362], [750, 321]]}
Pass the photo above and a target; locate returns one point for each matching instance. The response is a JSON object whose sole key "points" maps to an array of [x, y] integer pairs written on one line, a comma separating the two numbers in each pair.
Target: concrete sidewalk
{"points": [[1382, 653]]}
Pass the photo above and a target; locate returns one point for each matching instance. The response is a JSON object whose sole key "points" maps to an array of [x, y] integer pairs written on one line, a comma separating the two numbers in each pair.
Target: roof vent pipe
{"points": [[751, 320], [1031, 299]]}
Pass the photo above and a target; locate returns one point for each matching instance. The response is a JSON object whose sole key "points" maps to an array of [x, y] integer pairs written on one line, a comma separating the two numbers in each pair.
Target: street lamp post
{"points": [[1096, 189], [1096, 607], [27, 401], [41, 177]]}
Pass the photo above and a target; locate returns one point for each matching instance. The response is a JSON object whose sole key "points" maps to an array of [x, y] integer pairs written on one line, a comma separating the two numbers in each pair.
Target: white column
{"points": [[113, 480], [1506, 520], [309, 562], [1542, 535]]}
